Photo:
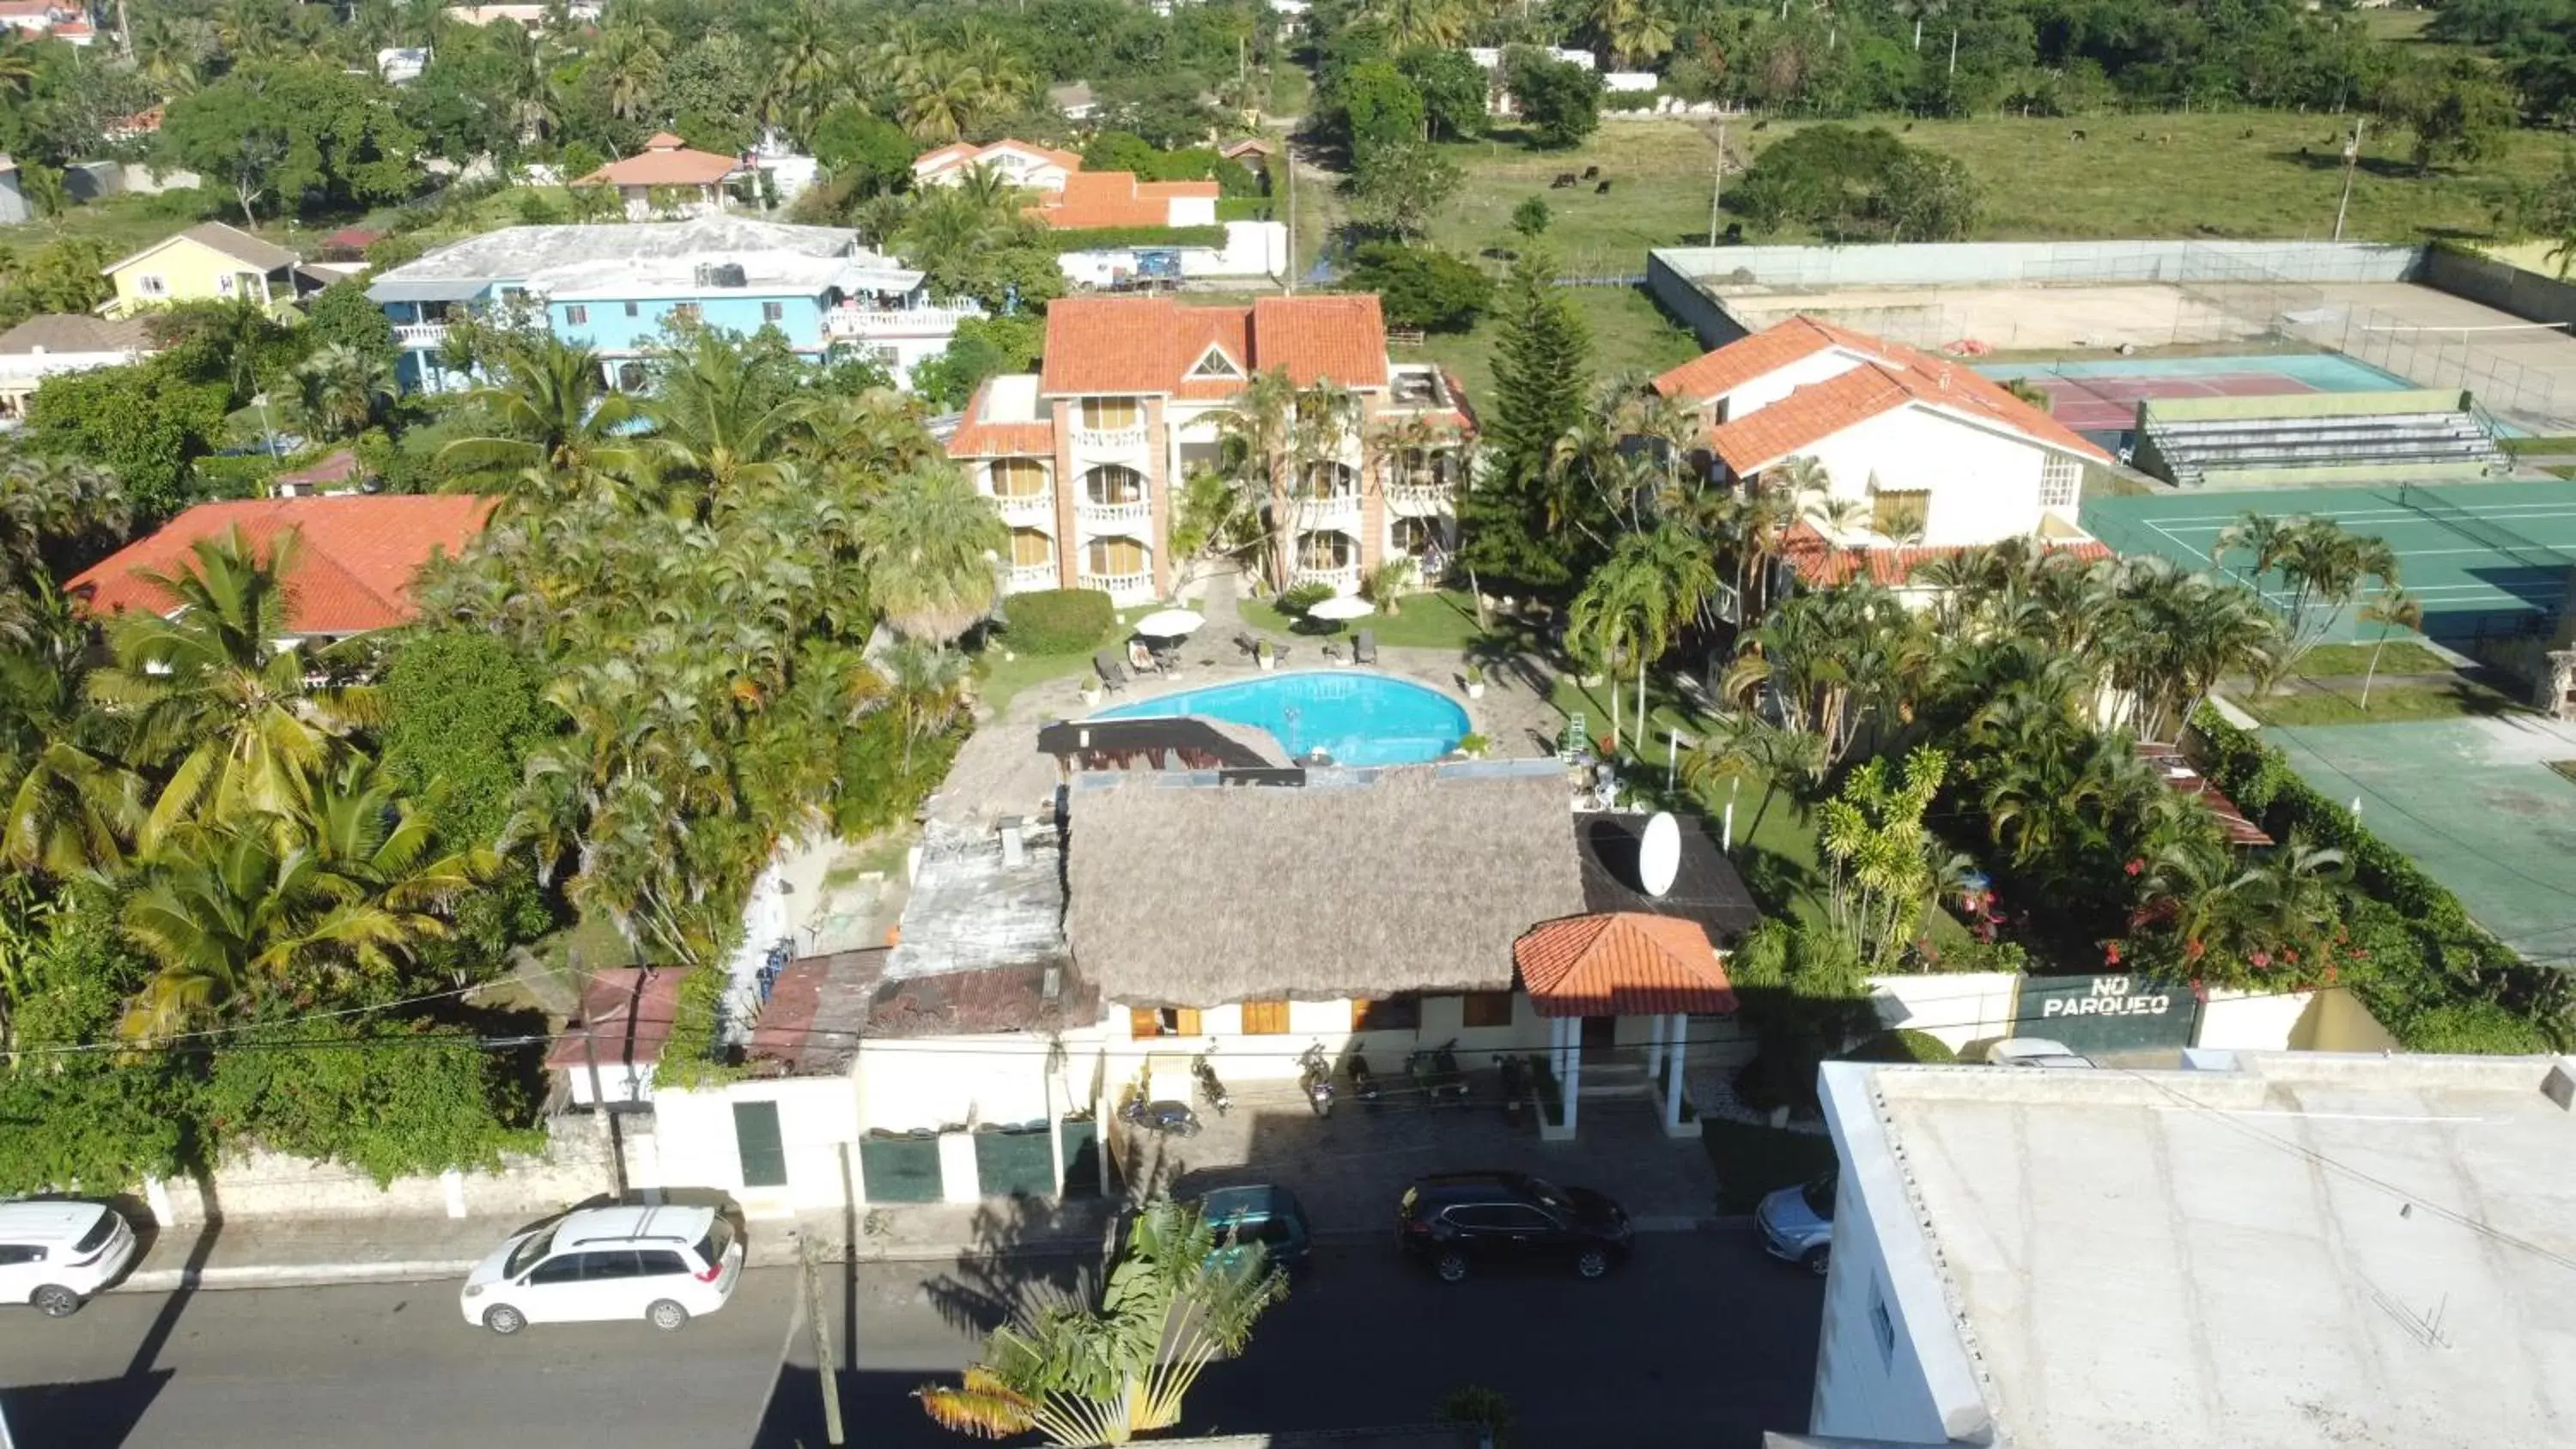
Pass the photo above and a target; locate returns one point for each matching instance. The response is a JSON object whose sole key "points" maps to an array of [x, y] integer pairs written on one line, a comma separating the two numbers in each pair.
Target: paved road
{"points": [[1701, 1342]]}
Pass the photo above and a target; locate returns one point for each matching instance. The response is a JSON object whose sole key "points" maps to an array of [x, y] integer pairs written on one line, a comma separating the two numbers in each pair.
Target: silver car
{"points": [[1798, 1224]]}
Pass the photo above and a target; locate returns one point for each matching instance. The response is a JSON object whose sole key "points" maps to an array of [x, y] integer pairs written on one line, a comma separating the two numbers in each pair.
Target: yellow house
{"points": [[207, 263]]}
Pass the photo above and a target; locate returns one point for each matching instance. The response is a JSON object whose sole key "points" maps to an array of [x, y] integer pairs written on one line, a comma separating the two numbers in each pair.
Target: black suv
{"points": [[1455, 1219]]}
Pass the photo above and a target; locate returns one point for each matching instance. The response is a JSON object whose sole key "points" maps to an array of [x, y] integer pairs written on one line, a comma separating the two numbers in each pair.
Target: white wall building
{"points": [[57, 343], [1926, 455], [2286, 1250]]}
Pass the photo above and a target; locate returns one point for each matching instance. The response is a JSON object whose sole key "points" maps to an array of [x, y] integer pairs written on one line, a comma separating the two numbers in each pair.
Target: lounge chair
{"points": [[1244, 641], [1112, 673], [1141, 656], [1364, 647]]}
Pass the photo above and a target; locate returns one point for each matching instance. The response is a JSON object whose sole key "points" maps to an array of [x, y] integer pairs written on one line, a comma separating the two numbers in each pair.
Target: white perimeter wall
{"points": [[695, 1147], [1957, 1009]]}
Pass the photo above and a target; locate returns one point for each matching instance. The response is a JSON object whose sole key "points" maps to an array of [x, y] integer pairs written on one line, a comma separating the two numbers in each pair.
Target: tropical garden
{"points": [[227, 853]]}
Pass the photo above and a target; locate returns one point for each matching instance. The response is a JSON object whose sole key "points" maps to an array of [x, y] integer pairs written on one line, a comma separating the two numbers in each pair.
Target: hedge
{"points": [[2466, 990], [1123, 238], [1244, 208], [1056, 621]]}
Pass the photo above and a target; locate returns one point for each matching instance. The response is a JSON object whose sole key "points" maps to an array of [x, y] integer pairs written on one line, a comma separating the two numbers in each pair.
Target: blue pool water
{"points": [[1355, 717], [2324, 371]]}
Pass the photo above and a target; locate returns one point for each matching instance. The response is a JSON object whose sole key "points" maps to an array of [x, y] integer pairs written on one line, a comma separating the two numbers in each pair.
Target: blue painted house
{"points": [[616, 288]]}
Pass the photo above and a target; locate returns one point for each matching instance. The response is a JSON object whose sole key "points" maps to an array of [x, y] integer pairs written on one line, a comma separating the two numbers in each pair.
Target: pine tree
{"points": [[1542, 374]]}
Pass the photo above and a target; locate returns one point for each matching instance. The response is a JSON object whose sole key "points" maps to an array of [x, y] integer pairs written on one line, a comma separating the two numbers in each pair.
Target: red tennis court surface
{"points": [[2110, 404]]}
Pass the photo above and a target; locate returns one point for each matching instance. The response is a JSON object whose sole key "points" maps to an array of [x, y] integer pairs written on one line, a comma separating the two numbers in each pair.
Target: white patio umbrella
{"points": [[1169, 623], [1341, 606]]}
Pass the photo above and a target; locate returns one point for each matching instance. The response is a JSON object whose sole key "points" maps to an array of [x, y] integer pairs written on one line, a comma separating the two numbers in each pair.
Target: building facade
{"points": [[1085, 458], [619, 289], [668, 178], [209, 262], [57, 343]]}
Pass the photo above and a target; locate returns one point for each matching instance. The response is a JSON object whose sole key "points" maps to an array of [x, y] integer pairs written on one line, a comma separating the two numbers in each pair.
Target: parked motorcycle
{"points": [[1363, 1081], [1315, 1074], [1172, 1119], [1434, 1073], [1515, 1085], [1211, 1091]]}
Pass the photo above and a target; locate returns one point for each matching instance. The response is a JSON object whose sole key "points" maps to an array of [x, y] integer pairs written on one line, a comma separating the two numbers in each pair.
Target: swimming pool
{"points": [[1355, 717]]}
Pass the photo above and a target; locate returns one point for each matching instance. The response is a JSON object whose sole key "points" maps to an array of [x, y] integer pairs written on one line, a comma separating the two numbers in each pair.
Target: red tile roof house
{"points": [[1083, 457], [669, 168], [1069, 198], [1928, 456], [352, 572], [1039, 168], [610, 1048]]}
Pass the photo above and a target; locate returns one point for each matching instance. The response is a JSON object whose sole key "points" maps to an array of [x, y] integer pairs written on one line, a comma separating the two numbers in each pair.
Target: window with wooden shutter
{"points": [[1488, 1008], [1144, 1023], [1391, 1013], [1265, 1018]]}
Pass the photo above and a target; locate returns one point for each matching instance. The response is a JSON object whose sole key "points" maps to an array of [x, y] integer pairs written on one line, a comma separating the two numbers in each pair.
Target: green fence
{"points": [[900, 1169], [2093, 1014], [1015, 1164], [1081, 1158]]}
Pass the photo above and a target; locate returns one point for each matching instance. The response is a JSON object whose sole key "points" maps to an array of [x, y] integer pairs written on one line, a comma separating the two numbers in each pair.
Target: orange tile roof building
{"points": [[352, 572], [1919, 456], [1084, 456], [668, 166], [1039, 168]]}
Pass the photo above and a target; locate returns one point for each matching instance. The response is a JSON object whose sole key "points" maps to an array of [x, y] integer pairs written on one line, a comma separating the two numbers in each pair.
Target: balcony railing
{"points": [[1335, 511], [1025, 577], [420, 334], [1108, 439], [1421, 497], [1345, 577], [895, 321], [1120, 585], [1088, 511], [1036, 507]]}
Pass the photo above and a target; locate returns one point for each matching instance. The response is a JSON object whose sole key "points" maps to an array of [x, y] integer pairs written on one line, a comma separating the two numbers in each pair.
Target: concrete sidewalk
{"points": [[305, 1252]]}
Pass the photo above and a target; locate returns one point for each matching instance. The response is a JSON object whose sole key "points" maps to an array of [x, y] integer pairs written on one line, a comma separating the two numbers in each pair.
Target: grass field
{"points": [[1442, 620], [1659, 174], [2388, 704]]}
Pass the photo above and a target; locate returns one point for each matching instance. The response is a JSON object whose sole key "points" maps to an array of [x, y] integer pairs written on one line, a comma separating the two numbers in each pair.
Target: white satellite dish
{"points": [[1659, 854]]}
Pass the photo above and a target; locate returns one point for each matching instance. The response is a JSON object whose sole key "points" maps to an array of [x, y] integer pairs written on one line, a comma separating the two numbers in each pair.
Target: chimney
{"points": [[1014, 844]]}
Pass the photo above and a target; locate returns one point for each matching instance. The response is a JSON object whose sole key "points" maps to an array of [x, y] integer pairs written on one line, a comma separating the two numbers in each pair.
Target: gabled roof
{"points": [[353, 573], [239, 245], [1886, 375], [625, 1016], [75, 332], [1823, 564], [666, 160], [338, 466], [957, 154], [1624, 964], [1149, 344]]}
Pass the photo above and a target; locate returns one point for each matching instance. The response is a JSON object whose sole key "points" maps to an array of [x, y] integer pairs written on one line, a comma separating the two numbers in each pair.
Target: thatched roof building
{"points": [[1409, 880]]}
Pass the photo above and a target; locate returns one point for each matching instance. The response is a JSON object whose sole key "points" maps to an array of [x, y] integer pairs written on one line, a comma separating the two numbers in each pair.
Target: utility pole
{"points": [[1288, 154], [827, 1373], [1717, 187], [2351, 163]]}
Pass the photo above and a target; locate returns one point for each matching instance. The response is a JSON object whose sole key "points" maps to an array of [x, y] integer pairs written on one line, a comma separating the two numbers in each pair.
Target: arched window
{"points": [[1111, 483], [1030, 548], [1113, 556], [1328, 480], [1415, 537], [1326, 549], [1018, 477]]}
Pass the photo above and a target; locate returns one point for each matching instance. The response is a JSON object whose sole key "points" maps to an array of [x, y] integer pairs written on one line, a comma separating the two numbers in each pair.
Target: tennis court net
{"points": [[2480, 529]]}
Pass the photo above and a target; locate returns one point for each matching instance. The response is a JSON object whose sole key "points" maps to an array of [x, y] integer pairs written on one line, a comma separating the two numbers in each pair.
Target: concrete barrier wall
{"points": [[1935, 264], [2500, 285], [1712, 324], [1970, 1006], [575, 1165]]}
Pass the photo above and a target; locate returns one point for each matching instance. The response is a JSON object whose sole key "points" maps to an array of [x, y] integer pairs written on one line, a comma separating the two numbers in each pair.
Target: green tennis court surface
{"points": [[2475, 802], [2485, 558]]}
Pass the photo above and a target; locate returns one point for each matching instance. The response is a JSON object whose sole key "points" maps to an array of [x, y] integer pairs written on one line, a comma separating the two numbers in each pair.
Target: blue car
{"points": [[1270, 1216], [1798, 1224]]}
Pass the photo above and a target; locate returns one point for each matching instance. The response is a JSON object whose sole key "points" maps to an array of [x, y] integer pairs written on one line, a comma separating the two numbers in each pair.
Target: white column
{"points": [[1673, 1096], [1055, 1127], [1654, 1045], [1573, 1067]]}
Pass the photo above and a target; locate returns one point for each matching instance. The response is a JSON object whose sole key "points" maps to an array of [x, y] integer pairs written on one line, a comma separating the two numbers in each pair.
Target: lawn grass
{"points": [[1659, 174], [1442, 620], [2456, 700], [1753, 1162], [2402, 656]]}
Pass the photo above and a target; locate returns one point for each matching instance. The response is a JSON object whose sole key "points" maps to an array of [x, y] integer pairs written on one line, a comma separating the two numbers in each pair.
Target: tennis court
{"points": [[2485, 558], [2103, 396]]}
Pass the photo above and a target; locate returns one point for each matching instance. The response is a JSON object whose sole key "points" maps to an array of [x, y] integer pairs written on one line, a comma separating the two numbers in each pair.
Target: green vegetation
{"points": [[2403, 656], [1445, 620], [2387, 703], [1057, 621]]}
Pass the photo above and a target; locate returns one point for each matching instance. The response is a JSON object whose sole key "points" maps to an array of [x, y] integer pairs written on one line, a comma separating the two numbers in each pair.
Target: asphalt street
{"points": [[1699, 1341]]}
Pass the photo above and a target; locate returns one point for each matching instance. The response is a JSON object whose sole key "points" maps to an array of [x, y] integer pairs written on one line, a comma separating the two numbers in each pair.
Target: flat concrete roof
{"points": [[2282, 1249], [515, 252]]}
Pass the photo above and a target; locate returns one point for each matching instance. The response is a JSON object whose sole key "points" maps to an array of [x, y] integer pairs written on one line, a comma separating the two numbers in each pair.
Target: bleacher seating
{"points": [[2398, 444]]}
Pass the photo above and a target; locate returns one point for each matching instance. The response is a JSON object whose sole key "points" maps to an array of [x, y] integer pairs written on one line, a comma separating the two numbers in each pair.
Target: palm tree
{"points": [[1748, 746], [2393, 610], [632, 53], [339, 390], [554, 421], [18, 68], [723, 418], [1177, 1301], [1263, 449], [925, 685], [207, 694], [1631, 31], [1412, 24], [932, 549]]}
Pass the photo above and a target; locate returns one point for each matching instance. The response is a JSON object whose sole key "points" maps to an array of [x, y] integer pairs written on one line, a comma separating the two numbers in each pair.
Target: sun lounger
{"points": [[1112, 673], [1364, 647]]}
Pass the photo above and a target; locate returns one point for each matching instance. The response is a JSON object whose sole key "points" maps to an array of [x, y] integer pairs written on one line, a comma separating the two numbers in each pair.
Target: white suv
{"points": [[662, 1264], [57, 1255]]}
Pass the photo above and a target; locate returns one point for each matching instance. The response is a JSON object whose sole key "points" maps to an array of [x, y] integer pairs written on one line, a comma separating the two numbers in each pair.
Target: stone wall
{"points": [[575, 1166]]}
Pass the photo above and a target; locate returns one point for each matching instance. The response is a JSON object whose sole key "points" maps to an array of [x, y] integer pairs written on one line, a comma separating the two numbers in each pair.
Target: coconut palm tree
{"points": [[2396, 609], [723, 419], [207, 695], [1177, 1301], [1631, 31], [1263, 448], [554, 423], [1413, 24], [932, 548], [1746, 746], [339, 390], [924, 685]]}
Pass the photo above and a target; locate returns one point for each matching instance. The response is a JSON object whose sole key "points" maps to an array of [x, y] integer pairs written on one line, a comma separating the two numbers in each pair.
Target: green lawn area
{"points": [[2402, 656], [1442, 620], [1753, 1162], [2419, 701], [1659, 174], [1630, 335]]}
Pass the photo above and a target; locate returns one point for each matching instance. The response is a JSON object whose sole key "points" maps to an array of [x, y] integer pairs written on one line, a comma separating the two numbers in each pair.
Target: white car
{"points": [[2033, 1051], [58, 1255], [665, 1265]]}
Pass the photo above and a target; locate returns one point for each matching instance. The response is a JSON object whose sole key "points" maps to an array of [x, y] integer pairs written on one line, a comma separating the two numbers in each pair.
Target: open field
{"points": [[1659, 174]]}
